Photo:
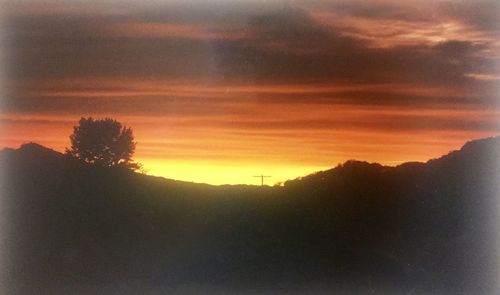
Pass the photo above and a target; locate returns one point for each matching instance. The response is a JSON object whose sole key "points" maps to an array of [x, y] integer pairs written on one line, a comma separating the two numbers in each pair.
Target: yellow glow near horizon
{"points": [[225, 173], [222, 156]]}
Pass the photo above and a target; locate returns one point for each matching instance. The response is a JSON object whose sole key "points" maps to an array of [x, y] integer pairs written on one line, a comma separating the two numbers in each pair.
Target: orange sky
{"points": [[220, 93]]}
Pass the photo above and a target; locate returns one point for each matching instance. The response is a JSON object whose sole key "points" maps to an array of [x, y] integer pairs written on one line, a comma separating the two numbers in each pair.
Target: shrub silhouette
{"points": [[103, 142]]}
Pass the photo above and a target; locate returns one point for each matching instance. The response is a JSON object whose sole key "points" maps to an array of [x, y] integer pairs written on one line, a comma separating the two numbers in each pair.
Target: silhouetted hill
{"points": [[357, 228]]}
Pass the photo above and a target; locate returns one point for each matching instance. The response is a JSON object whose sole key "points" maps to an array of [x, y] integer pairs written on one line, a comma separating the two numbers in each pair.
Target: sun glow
{"points": [[225, 173]]}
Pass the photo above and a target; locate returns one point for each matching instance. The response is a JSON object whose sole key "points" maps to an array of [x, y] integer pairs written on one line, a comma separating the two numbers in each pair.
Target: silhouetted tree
{"points": [[103, 142]]}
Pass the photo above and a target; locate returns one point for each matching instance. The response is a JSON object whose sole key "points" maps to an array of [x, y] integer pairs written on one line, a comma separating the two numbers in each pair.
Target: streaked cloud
{"points": [[386, 33], [169, 30]]}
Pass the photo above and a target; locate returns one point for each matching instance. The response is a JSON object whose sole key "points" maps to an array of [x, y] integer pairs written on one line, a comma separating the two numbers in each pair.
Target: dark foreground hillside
{"points": [[360, 228]]}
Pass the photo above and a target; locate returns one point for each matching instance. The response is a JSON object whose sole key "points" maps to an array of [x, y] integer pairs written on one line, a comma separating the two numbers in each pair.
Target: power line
{"points": [[262, 178]]}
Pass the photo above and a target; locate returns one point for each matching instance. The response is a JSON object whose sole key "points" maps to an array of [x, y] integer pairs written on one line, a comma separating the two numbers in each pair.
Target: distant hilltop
{"points": [[418, 228], [490, 146]]}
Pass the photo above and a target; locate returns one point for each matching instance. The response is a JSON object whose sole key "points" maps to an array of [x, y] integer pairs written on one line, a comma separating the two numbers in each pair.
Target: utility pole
{"points": [[262, 178]]}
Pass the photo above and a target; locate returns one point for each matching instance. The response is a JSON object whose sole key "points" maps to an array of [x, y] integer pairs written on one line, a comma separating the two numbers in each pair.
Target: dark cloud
{"points": [[378, 10], [481, 14], [281, 44]]}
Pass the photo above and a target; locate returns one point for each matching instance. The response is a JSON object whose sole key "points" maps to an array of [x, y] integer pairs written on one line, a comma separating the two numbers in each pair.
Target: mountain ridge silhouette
{"points": [[35, 150], [358, 228]]}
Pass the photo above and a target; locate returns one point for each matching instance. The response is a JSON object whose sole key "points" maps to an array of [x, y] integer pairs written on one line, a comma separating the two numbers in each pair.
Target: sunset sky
{"points": [[220, 91]]}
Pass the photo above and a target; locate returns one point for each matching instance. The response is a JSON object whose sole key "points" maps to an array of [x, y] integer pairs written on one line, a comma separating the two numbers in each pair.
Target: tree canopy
{"points": [[104, 142]]}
